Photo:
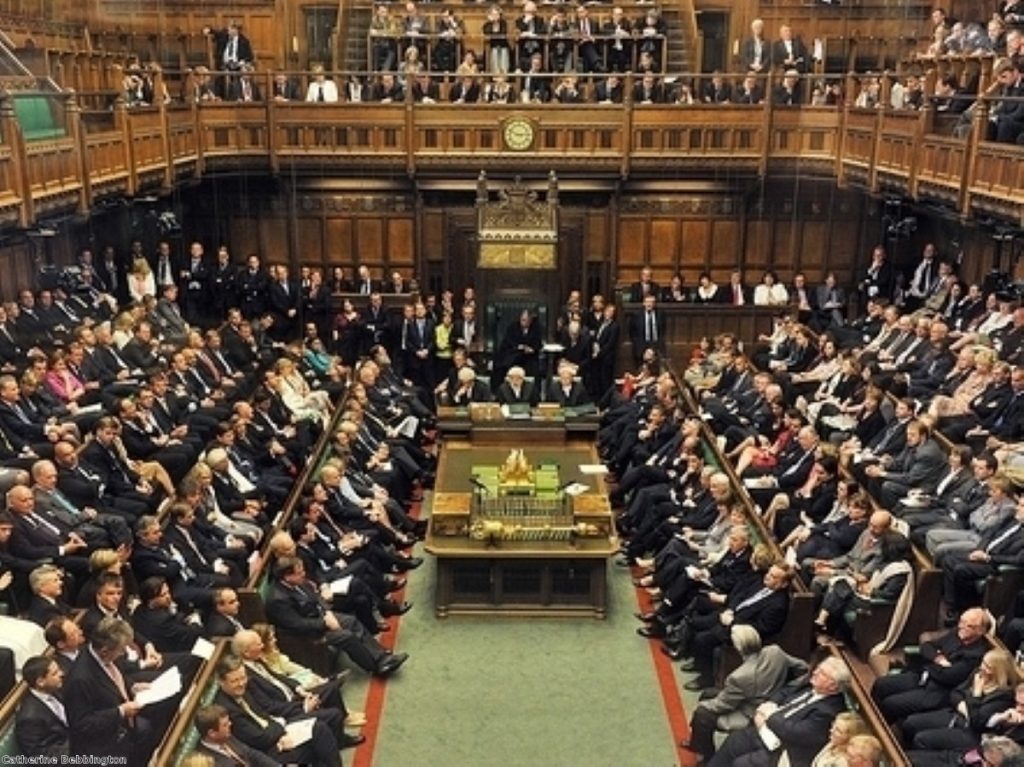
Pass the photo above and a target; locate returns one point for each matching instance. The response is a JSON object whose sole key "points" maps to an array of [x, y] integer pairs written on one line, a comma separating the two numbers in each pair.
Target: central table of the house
{"points": [[520, 518]]}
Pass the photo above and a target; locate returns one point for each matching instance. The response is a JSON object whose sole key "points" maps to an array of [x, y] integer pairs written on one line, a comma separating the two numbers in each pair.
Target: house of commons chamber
{"points": [[512, 382]]}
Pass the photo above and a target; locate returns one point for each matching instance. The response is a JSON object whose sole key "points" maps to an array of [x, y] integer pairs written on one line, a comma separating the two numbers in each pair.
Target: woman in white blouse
{"points": [[771, 292]]}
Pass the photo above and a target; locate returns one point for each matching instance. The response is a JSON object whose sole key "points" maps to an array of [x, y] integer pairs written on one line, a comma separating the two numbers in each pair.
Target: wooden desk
{"points": [[488, 427], [546, 577]]}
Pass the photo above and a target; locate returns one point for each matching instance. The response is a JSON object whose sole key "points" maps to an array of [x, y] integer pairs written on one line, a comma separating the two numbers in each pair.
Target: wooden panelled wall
{"points": [[606, 238], [303, 227], [780, 226]]}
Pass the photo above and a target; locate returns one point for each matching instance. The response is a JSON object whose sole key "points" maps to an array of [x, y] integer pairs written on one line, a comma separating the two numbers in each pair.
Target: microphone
{"points": [[478, 485]]}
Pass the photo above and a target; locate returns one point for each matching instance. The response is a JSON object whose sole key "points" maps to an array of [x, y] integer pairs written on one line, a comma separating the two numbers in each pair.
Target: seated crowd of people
{"points": [[854, 441], [573, 58], [149, 456]]}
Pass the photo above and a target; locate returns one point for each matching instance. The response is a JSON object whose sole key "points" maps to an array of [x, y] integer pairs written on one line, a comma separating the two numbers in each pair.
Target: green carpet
{"points": [[507, 692]]}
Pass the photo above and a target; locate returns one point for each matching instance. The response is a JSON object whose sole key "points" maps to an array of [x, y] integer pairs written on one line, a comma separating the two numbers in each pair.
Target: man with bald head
{"points": [[37, 537], [949, 661], [860, 561], [98, 530]]}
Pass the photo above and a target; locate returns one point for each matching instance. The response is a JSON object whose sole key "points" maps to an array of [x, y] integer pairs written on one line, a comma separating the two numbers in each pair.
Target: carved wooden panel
{"points": [[632, 242], [725, 240], [245, 237], [785, 245], [274, 236], [401, 241], [758, 244], [433, 235], [339, 242], [664, 247], [309, 240], [814, 250], [370, 241], [596, 238], [696, 237]]}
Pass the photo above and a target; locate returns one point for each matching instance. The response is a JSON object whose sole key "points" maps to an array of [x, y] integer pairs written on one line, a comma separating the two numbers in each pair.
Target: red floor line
{"points": [[670, 697], [363, 756]]}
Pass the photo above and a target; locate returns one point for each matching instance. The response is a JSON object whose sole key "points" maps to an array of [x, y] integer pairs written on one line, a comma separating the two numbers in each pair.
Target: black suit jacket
{"points": [[800, 55], [169, 630], [577, 394], [38, 730], [91, 699], [638, 329], [252, 757], [299, 610], [804, 729], [247, 729]]}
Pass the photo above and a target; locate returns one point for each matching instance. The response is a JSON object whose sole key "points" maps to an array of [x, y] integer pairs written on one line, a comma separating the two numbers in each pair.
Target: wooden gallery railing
{"points": [[101, 147]]}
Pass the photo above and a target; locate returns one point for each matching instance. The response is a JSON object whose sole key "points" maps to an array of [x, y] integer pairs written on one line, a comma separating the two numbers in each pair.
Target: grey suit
{"points": [[864, 557], [920, 467], [751, 684]]}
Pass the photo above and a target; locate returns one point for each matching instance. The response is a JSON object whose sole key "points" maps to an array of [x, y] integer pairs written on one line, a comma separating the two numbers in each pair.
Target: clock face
{"points": [[518, 133]]}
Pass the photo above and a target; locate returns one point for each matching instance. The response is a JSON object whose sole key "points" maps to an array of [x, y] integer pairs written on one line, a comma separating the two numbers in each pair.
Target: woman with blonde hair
{"points": [[989, 691], [959, 403], [279, 663], [845, 726], [141, 281]]}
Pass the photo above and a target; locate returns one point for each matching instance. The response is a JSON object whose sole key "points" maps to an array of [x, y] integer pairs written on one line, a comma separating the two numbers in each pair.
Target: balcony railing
{"points": [[122, 150]]}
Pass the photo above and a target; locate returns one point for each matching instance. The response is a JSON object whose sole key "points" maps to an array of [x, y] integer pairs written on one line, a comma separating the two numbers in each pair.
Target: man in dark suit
{"points": [[365, 284], [105, 721], [516, 390], [96, 529], [216, 741], [285, 298], [47, 584], [287, 698], [920, 465], [565, 390], [113, 274], [295, 606], [756, 52], [763, 672], [948, 660], [36, 538], [223, 620], [606, 347], [998, 547], [762, 604], [172, 631], [684, 582], [647, 330], [519, 346], [797, 720], [101, 457], [256, 726], [41, 724], [231, 46], [789, 52]]}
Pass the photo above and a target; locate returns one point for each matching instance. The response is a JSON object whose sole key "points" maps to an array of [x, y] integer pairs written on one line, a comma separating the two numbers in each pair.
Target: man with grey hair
{"points": [[799, 724], [763, 671], [104, 717], [288, 698]]}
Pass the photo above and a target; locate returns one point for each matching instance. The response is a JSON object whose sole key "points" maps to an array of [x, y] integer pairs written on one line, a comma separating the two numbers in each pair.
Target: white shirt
{"points": [[330, 91]]}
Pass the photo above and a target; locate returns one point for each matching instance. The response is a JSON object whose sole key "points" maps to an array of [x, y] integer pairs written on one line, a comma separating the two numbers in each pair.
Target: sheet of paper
{"points": [[341, 586], [576, 488], [593, 469], [161, 688], [203, 648], [300, 731]]}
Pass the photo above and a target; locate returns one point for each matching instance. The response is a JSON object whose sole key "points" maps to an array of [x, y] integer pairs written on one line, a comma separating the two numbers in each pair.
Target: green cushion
{"points": [[192, 734], [8, 743], [35, 115]]}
